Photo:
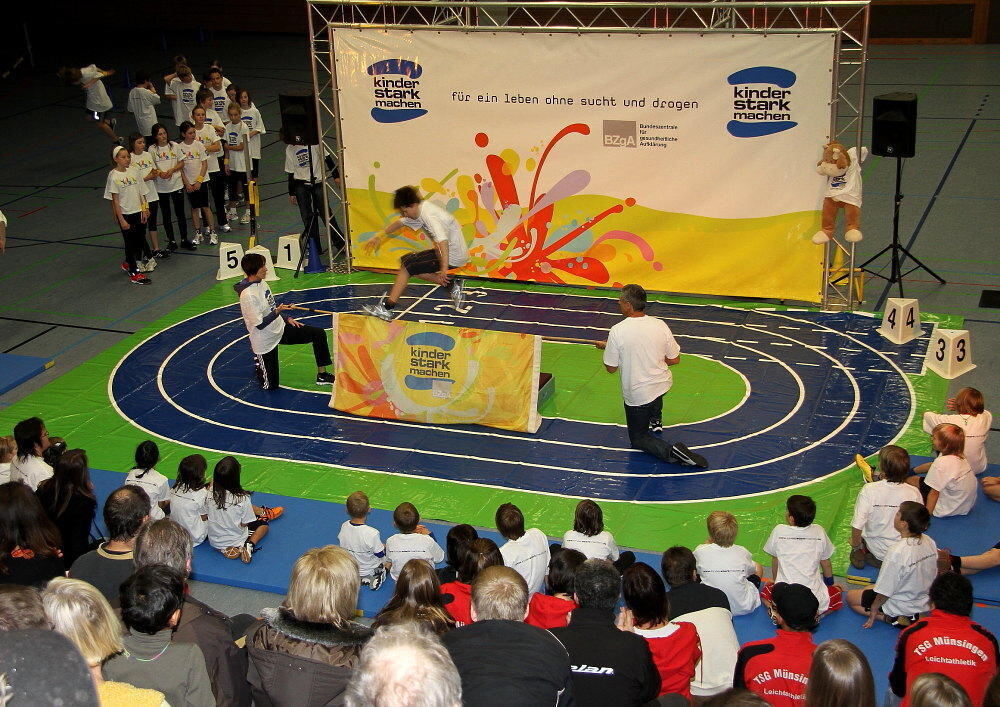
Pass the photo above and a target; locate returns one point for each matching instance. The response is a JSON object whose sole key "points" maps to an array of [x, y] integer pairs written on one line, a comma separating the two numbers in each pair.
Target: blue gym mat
{"points": [[14, 369], [965, 535]]}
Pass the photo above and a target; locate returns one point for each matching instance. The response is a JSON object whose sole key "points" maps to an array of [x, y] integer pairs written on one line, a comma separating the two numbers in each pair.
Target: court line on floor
{"points": [[30, 339], [68, 326]]}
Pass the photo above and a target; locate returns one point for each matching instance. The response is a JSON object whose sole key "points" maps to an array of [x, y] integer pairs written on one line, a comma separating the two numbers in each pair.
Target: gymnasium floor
{"points": [[64, 297]]}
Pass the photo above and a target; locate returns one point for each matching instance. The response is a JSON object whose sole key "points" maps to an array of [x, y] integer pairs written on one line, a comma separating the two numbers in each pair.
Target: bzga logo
{"points": [[619, 133], [762, 101]]}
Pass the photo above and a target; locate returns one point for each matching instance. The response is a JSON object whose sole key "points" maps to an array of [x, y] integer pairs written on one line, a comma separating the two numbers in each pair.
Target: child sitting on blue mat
{"points": [[363, 541], [413, 541]]}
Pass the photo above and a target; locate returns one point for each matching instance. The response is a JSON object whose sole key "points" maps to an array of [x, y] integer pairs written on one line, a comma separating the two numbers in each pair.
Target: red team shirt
{"points": [[545, 611], [460, 607], [949, 644], [675, 657], [777, 669]]}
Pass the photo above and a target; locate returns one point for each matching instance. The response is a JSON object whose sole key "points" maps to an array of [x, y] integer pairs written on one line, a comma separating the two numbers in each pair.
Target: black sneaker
{"points": [[188, 245], [656, 426], [172, 246], [377, 578], [685, 457], [161, 254], [324, 378]]}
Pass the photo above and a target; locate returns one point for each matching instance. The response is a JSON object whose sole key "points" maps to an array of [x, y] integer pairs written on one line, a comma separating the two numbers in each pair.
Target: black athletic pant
{"points": [[637, 418], [175, 199], [267, 364], [218, 190], [309, 198], [135, 239]]}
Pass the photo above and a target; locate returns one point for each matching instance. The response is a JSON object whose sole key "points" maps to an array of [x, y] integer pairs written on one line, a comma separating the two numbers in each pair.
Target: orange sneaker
{"points": [[268, 513]]}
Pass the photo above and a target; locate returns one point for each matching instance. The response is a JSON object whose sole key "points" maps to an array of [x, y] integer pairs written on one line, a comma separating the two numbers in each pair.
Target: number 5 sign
{"points": [[949, 353], [230, 255], [901, 321]]}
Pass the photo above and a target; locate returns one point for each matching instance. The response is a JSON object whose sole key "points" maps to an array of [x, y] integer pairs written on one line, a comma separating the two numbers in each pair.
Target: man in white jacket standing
{"points": [[267, 326]]}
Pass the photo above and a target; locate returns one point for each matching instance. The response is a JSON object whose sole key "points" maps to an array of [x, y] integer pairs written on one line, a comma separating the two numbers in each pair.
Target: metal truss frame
{"points": [[846, 19]]}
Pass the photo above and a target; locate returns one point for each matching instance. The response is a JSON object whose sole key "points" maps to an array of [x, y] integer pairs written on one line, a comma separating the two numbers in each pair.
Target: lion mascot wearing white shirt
{"points": [[843, 172]]}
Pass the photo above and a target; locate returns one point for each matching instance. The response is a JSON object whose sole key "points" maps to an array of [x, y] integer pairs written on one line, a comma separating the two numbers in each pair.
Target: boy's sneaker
{"points": [[213, 237], [247, 551], [655, 425], [866, 469], [225, 228], [141, 266], [189, 245], [246, 217], [457, 295], [150, 263], [324, 378], [269, 513], [125, 266], [139, 279], [685, 457], [377, 578], [378, 309], [172, 246], [161, 254], [197, 238], [231, 214]]}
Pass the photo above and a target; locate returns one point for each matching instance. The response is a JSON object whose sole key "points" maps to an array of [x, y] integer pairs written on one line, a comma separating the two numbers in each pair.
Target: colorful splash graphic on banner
{"points": [[403, 370]]}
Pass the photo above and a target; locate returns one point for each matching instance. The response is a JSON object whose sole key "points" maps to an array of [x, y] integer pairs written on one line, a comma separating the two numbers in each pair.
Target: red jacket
{"points": [[949, 644], [777, 669], [460, 606], [675, 657], [549, 612]]}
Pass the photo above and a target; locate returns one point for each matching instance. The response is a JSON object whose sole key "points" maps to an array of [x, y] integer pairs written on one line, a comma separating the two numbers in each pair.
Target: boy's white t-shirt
{"points": [[364, 543], [156, 486], [403, 547], [30, 470], [211, 118], [141, 102], [952, 477], [143, 164], [907, 571], [727, 568], [601, 546], [165, 157], [187, 507], [252, 119], [977, 430], [234, 138], [441, 226], [219, 99], [297, 162], [227, 526], [185, 94], [874, 512], [847, 188], [799, 551], [131, 190], [192, 156], [637, 346], [529, 555], [209, 137], [98, 100]]}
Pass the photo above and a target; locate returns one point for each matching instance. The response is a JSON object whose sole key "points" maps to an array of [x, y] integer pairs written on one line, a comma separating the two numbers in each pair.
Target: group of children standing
{"points": [[216, 145]]}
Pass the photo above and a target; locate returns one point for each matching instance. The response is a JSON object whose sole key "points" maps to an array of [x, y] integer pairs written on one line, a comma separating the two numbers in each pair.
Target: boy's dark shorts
{"points": [[422, 262]]}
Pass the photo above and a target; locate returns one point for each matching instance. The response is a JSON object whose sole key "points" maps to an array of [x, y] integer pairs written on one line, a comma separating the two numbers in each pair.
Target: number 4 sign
{"points": [[949, 353], [901, 321]]}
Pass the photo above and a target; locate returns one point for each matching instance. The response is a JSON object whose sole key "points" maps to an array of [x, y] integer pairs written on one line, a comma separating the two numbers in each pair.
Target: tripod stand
{"points": [[899, 252]]}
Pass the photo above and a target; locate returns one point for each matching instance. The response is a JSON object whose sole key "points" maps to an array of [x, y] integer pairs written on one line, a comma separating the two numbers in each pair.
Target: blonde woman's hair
{"points": [[81, 613], [324, 586], [7, 448], [722, 528]]}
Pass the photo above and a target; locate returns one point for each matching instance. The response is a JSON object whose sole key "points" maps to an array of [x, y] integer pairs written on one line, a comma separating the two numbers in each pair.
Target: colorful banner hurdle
{"points": [[403, 370]]}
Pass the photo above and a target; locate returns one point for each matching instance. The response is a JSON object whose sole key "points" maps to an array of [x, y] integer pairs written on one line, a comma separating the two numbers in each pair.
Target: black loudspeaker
{"points": [[298, 118], [894, 125]]}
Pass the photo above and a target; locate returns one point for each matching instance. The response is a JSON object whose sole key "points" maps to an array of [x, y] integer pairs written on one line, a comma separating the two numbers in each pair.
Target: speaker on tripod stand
{"points": [[894, 134]]}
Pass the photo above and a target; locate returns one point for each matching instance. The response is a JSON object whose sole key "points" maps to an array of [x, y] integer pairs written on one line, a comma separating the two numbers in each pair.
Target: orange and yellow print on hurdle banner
{"points": [[419, 372]]}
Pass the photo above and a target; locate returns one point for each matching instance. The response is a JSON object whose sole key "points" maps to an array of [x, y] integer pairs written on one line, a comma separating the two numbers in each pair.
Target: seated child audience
{"points": [[949, 488], [552, 609], [30, 551], [69, 502], [589, 536], [235, 526], [729, 567], [363, 541], [457, 596], [457, 542], [28, 466], [413, 541], [800, 553], [526, 552], [900, 593], [417, 599], [967, 410], [190, 496], [155, 484], [873, 531]]}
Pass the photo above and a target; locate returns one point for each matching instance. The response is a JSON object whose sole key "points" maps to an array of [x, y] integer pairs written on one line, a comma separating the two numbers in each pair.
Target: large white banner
{"points": [[685, 163]]}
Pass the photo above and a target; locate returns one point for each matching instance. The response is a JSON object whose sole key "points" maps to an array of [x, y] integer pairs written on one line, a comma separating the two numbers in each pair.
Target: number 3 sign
{"points": [[949, 353]]}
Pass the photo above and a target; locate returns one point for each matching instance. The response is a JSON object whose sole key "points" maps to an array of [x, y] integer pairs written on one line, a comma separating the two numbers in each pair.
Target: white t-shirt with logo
{"points": [[952, 477], [98, 100], [192, 156], [364, 543], [601, 546], [907, 571], [251, 118], [403, 547], [187, 507], [638, 346], [143, 164], [799, 551], [297, 162], [185, 94], [209, 137], [976, 428], [227, 526], [141, 103], [727, 568], [156, 487], [529, 556], [219, 99], [847, 187], [131, 190], [30, 470], [874, 512], [256, 303], [165, 157], [234, 138], [441, 226]]}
